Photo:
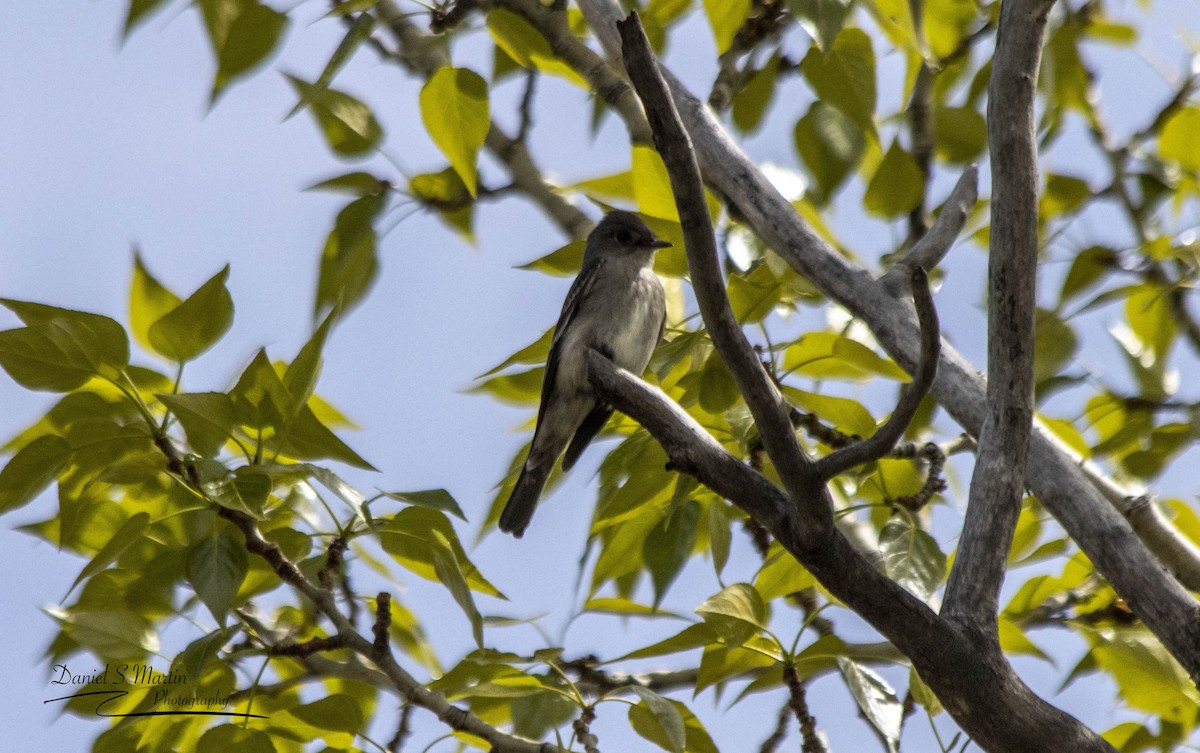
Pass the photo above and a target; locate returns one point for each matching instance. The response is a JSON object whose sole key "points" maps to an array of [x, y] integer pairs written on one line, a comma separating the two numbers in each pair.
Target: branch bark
{"points": [[998, 480], [766, 403]]}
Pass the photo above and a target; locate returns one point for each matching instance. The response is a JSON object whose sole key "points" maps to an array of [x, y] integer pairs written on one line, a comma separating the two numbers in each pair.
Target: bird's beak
{"points": [[660, 243]]}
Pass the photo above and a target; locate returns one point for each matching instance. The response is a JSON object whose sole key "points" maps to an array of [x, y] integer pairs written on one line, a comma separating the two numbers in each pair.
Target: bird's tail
{"points": [[524, 498]]}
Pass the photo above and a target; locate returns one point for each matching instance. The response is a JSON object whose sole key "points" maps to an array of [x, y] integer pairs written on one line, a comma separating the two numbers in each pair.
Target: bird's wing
{"points": [[580, 289]]}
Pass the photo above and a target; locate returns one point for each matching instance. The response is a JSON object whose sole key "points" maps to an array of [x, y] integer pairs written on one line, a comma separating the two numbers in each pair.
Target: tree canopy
{"points": [[808, 449]]}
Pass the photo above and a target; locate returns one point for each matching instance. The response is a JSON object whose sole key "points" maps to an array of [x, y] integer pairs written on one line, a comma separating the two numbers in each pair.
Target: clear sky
{"points": [[104, 146]]}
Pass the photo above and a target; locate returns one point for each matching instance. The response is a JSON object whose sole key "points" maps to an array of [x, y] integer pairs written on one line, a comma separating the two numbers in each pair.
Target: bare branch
{"points": [[998, 480], [811, 741], [929, 251], [766, 403], [884, 439]]}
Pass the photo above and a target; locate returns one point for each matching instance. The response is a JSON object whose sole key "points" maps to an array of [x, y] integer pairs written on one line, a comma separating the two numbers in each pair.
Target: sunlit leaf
{"points": [[737, 612], [455, 110], [29, 471], [196, 324], [349, 126], [912, 557], [844, 76], [243, 33], [878, 702]]}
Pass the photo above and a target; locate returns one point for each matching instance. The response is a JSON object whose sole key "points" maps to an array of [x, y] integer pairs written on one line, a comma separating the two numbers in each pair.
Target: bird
{"points": [[615, 306]]}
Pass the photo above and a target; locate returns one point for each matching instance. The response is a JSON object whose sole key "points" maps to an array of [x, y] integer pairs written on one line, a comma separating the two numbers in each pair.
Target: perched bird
{"points": [[615, 306]]}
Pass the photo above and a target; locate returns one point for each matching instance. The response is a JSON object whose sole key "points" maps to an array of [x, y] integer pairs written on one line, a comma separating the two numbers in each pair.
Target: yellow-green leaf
{"points": [[455, 110], [349, 126], [726, 17]]}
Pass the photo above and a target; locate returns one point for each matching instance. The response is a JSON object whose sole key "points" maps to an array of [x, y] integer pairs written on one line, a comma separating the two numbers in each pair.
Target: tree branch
{"points": [[977, 687], [884, 439], [998, 480], [1103, 534], [933, 246], [763, 398]]}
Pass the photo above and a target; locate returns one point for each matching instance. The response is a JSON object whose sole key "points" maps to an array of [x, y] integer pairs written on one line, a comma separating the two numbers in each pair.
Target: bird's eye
{"points": [[623, 237]]}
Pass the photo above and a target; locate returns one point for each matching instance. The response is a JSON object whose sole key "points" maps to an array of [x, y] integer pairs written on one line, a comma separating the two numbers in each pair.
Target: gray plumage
{"points": [[615, 306]]}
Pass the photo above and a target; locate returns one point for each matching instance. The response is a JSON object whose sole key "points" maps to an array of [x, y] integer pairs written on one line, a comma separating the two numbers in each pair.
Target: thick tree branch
{"points": [[765, 401], [998, 480], [884, 439], [1103, 534]]}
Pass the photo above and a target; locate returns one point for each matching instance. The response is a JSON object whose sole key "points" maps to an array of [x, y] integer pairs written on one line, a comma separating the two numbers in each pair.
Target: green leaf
{"points": [[243, 33], [828, 355], [216, 567], [844, 76], [234, 738], [725, 17], [98, 443], [407, 536], [911, 557], [649, 726], [450, 572], [877, 700], [130, 532], [357, 183], [115, 634], [195, 325], [1178, 138], [359, 30], [435, 499], [831, 145], [1148, 678], [306, 438], [665, 719], [781, 575], [446, 193], [31, 470], [960, 133], [822, 19], [149, 301], [1089, 266], [245, 491], [139, 11], [718, 392], [348, 261], [668, 545], [259, 397], [349, 126], [897, 185], [720, 663], [525, 45], [1054, 345], [338, 716], [61, 349], [624, 607], [455, 111], [736, 613], [922, 694], [1149, 313], [754, 295], [946, 23], [1063, 194], [300, 378], [750, 104], [847, 415], [690, 638]]}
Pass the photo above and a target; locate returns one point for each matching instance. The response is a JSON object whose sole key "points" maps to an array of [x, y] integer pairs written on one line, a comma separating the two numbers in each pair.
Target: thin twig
{"points": [[884, 439]]}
